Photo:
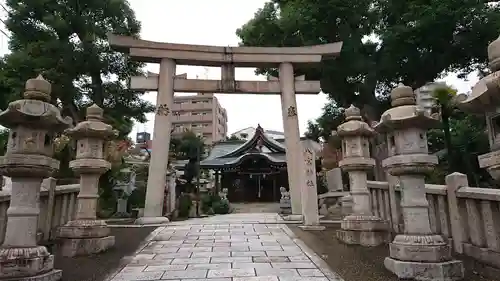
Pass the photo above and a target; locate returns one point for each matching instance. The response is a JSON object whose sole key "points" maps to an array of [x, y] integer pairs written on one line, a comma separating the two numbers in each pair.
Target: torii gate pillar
{"points": [[292, 135]]}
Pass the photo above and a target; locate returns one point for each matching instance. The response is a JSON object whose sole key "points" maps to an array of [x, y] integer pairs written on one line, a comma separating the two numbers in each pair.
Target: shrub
{"points": [[221, 207], [185, 204], [207, 202]]}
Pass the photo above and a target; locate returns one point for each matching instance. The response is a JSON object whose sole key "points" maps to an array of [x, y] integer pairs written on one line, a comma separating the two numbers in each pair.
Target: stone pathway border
{"points": [[236, 247]]}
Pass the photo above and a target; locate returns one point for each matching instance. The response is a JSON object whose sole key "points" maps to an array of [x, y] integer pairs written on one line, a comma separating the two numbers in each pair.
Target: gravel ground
{"points": [[356, 263], [96, 267]]}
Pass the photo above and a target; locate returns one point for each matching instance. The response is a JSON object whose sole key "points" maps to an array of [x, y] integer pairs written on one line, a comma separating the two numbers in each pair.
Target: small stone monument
{"points": [[87, 235], [361, 227], [309, 191], [32, 122], [334, 180], [123, 190], [417, 253], [285, 203]]}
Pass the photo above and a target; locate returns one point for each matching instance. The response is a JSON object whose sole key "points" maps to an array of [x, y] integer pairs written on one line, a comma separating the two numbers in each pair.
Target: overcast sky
{"points": [[214, 22]]}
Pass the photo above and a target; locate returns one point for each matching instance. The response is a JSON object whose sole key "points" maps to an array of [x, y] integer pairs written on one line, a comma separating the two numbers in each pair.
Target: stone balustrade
{"points": [[57, 207], [469, 217]]}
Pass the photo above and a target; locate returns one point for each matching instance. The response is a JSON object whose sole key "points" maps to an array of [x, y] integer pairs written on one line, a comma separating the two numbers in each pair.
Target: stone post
{"points": [[292, 136], [171, 191], [32, 122], [416, 254], [309, 191], [86, 235], [361, 227], [158, 163]]}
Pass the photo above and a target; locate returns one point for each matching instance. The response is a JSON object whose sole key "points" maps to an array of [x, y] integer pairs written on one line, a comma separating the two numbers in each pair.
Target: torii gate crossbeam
{"points": [[169, 55]]}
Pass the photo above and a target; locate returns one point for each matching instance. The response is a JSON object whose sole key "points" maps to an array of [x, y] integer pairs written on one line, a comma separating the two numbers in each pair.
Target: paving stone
{"points": [[293, 265], [209, 266], [210, 254], [310, 272], [139, 276], [190, 260], [172, 255], [249, 254], [295, 278], [166, 267], [238, 272], [182, 274], [251, 265], [231, 259], [257, 278], [132, 268], [276, 272], [280, 253], [270, 259]]}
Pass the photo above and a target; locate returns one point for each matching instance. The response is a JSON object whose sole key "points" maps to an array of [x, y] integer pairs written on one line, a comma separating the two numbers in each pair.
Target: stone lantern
{"points": [[361, 227], [87, 235], [417, 253], [32, 122], [485, 99]]}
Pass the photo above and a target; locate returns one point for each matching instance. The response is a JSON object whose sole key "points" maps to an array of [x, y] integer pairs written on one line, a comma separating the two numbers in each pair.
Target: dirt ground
{"points": [[355, 263], [97, 267]]}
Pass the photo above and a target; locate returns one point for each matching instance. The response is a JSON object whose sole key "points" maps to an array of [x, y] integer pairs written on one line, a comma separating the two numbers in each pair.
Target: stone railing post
{"points": [[51, 185], [32, 122], [86, 235], [453, 183], [417, 253], [362, 227]]}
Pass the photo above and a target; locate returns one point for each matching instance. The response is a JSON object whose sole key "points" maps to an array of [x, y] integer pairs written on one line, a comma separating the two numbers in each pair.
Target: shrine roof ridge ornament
{"points": [[202, 55]]}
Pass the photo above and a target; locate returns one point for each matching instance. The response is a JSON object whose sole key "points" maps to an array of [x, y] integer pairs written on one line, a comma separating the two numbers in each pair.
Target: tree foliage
{"points": [[188, 146], [66, 42], [384, 42]]}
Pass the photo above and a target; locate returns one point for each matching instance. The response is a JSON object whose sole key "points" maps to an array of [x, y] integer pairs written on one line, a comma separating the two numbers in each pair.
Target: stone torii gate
{"points": [[169, 55]]}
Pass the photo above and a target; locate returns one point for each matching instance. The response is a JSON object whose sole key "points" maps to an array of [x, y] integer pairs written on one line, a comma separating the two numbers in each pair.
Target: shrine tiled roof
{"points": [[230, 153]]}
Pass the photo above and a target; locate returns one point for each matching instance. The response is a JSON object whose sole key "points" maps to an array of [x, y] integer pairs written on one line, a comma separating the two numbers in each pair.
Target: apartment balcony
{"points": [[188, 106], [192, 118], [196, 130]]}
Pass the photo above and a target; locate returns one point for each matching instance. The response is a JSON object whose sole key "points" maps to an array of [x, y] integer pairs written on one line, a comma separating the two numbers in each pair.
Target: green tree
{"points": [[188, 146], [4, 138], [66, 41], [385, 42]]}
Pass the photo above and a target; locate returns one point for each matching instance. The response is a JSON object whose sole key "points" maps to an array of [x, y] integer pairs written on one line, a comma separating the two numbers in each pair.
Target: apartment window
{"points": [[205, 125], [204, 113], [194, 102], [178, 102], [206, 101], [194, 126], [194, 113]]}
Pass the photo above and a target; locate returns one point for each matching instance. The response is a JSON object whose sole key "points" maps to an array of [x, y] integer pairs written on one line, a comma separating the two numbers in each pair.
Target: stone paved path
{"points": [[255, 207], [235, 247]]}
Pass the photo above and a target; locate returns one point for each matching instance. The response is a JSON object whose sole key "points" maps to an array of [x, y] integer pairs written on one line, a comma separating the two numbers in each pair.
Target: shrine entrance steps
{"points": [[257, 207]]}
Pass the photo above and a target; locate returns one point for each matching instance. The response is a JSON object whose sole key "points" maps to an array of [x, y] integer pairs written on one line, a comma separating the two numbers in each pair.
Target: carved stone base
{"points": [[53, 275], [71, 247], [420, 248], [363, 230], [312, 227], [84, 229], [363, 238], [24, 262], [151, 220], [421, 271]]}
